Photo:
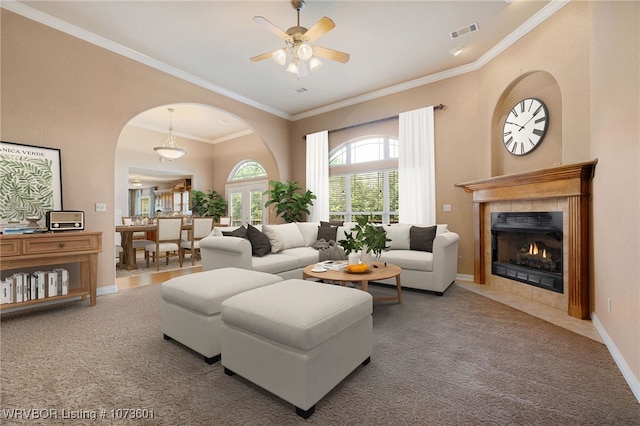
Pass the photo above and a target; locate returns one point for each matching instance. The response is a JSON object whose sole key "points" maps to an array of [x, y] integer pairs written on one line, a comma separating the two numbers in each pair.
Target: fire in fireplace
{"points": [[527, 247]]}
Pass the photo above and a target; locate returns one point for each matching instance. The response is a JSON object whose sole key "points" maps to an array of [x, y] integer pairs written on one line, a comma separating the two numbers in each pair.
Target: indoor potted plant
{"points": [[210, 203], [365, 237], [289, 201]]}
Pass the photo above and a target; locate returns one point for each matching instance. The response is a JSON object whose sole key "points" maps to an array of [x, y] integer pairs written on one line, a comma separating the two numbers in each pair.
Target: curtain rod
{"points": [[380, 120]]}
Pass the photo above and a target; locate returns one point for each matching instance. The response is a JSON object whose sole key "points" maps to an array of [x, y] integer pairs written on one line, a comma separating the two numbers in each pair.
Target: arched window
{"points": [[247, 169], [363, 179]]}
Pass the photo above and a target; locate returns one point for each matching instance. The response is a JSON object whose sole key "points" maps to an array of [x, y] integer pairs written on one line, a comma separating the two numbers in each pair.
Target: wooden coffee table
{"points": [[380, 271]]}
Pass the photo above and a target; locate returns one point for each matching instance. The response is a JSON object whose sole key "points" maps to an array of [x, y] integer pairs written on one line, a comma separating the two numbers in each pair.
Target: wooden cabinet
{"points": [[22, 252]]}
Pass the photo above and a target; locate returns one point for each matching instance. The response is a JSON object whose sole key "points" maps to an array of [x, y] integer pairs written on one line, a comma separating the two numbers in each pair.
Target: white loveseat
{"points": [[292, 249]]}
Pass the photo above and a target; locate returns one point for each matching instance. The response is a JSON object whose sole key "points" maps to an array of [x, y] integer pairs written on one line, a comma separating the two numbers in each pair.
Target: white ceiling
{"points": [[394, 45]]}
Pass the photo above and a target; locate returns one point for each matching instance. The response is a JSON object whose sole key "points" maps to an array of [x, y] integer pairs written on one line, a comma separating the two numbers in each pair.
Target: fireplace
{"points": [[565, 189], [527, 247]]}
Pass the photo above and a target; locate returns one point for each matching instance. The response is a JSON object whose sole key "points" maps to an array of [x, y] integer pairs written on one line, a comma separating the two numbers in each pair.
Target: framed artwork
{"points": [[30, 181]]}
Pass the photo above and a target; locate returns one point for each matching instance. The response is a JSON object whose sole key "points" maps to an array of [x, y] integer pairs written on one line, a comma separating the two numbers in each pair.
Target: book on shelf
{"points": [[7, 290], [18, 288], [41, 283], [63, 280], [52, 284]]}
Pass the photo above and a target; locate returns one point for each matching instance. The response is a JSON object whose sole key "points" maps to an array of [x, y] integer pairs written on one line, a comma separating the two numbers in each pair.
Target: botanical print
{"points": [[29, 181]]}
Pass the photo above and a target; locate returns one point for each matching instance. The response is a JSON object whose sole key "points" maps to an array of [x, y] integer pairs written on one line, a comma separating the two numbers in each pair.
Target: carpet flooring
{"points": [[459, 359]]}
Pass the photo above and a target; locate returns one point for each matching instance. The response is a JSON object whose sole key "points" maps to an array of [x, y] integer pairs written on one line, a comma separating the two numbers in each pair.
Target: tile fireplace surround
{"points": [[566, 189]]}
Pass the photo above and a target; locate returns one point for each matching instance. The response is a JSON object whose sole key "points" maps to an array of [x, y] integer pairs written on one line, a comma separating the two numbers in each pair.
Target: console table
{"points": [[20, 252]]}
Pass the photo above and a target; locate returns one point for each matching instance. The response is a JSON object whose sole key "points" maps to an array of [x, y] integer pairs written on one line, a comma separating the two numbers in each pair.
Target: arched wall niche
{"points": [[537, 84]]}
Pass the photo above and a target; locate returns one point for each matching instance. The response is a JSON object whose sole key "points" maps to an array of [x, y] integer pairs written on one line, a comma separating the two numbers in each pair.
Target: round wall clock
{"points": [[525, 126]]}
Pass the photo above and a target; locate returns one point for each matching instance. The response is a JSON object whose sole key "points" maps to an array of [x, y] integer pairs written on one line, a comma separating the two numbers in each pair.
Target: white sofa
{"points": [[292, 249]]}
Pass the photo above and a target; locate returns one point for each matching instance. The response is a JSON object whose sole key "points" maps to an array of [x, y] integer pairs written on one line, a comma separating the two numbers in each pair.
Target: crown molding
{"points": [[552, 7], [65, 27]]}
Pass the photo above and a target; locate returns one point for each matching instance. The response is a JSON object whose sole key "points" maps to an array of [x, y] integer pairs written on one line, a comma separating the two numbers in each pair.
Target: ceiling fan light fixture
{"points": [[279, 56], [170, 150], [293, 67], [314, 63], [304, 52]]}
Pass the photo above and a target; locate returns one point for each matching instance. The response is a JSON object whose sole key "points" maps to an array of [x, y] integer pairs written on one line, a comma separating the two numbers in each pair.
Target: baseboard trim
{"points": [[632, 381], [464, 277], [100, 291]]}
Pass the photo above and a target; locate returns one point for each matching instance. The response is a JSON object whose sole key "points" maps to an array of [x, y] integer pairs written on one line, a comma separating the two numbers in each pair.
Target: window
{"points": [[248, 169], [363, 180]]}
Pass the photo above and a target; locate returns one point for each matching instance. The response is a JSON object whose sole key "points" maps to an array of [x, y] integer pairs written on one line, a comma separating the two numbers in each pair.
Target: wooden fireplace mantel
{"points": [[572, 182]]}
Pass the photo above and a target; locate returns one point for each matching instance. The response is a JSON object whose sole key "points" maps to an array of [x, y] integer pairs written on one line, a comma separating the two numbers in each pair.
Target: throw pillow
{"points": [[327, 233], [260, 244], [274, 238], [422, 238], [284, 236], [399, 236], [238, 232]]}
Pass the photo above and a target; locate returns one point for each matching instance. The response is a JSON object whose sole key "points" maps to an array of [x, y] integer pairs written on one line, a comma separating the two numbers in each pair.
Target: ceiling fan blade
{"points": [[270, 27], [323, 26], [334, 55], [261, 57]]}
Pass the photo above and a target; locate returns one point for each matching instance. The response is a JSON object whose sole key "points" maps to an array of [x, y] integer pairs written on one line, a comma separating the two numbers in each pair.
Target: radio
{"points": [[65, 220]]}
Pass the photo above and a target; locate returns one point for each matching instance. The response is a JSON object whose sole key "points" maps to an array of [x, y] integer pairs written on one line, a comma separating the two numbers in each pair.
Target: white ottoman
{"points": [[297, 339], [190, 305]]}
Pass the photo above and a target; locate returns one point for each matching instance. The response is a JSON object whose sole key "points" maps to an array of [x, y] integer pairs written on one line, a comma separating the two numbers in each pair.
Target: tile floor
{"points": [[547, 313]]}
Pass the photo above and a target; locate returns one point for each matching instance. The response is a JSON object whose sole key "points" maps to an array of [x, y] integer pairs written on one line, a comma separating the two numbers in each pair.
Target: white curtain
{"points": [[318, 174], [416, 167]]}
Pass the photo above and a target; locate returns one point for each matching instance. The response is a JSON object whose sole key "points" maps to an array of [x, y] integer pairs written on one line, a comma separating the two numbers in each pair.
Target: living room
{"points": [[595, 68]]}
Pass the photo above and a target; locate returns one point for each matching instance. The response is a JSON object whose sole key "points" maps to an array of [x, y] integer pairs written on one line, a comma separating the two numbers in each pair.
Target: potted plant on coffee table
{"points": [[365, 237]]}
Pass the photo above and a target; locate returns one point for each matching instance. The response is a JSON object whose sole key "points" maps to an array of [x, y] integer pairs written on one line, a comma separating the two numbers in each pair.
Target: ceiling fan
{"points": [[300, 55]]}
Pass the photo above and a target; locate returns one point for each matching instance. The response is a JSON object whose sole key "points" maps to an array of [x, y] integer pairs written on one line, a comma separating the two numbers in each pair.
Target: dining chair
{"points": [[168, 238], [119, 250], [200, 228], [225, 220], [140, 240]]}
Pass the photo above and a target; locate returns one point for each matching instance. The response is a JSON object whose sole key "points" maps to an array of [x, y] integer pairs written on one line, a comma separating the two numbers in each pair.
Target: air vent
{"points": [[463, 31]]}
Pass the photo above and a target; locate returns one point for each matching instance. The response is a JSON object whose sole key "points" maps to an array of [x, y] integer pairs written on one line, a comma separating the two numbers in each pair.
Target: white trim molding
{"points": [[632, 380]]}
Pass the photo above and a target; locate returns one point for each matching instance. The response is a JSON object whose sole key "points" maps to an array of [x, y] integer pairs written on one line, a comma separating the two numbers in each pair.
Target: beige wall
{"points": [[615, 140], [65, 93], [59, 91]]}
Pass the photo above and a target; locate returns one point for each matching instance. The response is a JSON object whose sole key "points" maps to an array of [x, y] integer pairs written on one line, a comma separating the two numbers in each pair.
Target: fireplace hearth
{"points": [[527, 247]]}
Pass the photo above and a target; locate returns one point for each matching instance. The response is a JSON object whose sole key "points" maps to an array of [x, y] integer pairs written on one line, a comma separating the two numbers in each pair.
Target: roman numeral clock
{"points": [[525, 126]]}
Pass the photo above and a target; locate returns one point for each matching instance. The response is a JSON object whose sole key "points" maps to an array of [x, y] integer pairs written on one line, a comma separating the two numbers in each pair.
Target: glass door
{"points": [[246, 203]]}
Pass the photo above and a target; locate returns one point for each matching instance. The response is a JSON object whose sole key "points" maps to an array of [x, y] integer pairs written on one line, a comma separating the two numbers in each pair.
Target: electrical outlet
{"points": [[447, 207], [101, 207]]}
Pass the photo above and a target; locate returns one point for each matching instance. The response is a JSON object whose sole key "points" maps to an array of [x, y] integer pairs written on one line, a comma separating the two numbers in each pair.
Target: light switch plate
{"points": [[447, 207], [101, 207]]}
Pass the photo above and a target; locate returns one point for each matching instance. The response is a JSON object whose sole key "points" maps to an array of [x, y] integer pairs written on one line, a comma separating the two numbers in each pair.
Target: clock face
{"points": [[525, 126]]}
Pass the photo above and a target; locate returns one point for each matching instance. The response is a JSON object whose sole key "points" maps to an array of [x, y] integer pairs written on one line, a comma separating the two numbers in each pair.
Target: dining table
{"points": [[126, 241]]}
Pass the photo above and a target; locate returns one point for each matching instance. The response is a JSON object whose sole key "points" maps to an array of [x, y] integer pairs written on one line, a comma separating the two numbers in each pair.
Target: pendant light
{"points": [[170, 150]]}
